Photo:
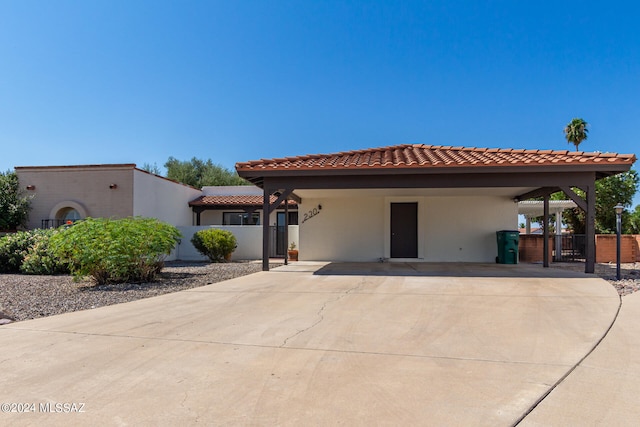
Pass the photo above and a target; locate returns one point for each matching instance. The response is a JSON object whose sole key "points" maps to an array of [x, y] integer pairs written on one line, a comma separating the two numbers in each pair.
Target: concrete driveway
{"points": [[313, 344]]}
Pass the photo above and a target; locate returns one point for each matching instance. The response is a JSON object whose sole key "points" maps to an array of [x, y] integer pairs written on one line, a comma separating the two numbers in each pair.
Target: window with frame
{"points": [[240, 218], [68, 214]]}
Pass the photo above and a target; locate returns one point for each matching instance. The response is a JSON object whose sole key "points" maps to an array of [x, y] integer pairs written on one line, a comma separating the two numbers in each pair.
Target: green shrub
{"points": [[214, 243], [40, 258], [14, 205], [116, 250], [13, 249], [28, 252]]}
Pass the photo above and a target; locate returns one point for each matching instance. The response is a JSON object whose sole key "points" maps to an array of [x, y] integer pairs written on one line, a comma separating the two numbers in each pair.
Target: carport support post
{"points": [[265, 229], [545, 227], [590, 262], [286, 231]]}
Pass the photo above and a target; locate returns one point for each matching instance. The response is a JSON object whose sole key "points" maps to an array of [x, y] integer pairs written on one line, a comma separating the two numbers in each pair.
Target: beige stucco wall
{"points": [[86, 187], [450, 229], [168, 201]]}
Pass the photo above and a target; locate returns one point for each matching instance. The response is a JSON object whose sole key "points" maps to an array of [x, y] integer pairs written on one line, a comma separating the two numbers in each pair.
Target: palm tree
{"points": [[576, 132]]}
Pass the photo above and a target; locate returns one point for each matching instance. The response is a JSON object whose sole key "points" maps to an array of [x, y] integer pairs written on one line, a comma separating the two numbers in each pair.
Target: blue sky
{"points": [[84, 82]]}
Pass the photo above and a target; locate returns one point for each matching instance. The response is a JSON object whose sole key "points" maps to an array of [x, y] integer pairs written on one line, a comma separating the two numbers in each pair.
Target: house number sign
{"points": [[310, 214]]}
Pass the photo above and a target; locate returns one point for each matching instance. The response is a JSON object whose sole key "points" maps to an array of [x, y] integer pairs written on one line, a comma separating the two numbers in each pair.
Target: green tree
{"points": [[14, 205], [576, 132], [609, 192], [199, 173], [633, 222], [151, 168]]}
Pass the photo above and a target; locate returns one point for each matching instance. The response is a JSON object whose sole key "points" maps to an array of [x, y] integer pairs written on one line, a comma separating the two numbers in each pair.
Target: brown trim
{"points": [[96, 166], [430, 170], [540, 192], [535, 180], [281, 200], [582, 204], [221, 207], [251, 212]]}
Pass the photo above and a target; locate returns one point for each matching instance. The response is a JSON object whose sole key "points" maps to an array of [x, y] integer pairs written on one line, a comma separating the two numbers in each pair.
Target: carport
{"points": [[517, 174]]}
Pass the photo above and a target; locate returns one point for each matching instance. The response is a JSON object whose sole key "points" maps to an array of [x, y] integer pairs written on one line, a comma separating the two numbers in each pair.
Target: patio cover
{"points": [[524, 173]]}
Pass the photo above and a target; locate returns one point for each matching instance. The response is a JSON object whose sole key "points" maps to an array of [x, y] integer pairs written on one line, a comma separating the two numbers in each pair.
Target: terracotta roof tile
{"points": [[237, 200], [432, 156]]}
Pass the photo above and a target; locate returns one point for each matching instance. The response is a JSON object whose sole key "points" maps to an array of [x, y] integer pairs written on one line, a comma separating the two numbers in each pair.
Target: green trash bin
{"points": [[507, 246]]}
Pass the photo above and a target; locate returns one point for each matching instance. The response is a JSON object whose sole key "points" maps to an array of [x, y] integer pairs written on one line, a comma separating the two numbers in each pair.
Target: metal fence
{"points": [[277, 242], [573, 247], [53, 223]]}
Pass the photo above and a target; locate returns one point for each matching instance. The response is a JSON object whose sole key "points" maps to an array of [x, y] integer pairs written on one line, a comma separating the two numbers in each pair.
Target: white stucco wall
{"points": [[249, 240], [463, 229], [450, 229], [232, 190], [160, 198], [345, 229]]}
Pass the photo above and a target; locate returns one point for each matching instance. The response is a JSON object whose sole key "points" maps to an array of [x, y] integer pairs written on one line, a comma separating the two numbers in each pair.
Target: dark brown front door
{"points": [[404, 230]]}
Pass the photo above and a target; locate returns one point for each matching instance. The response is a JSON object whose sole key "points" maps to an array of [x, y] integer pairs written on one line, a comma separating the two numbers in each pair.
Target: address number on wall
{"points": [[310, 214]]}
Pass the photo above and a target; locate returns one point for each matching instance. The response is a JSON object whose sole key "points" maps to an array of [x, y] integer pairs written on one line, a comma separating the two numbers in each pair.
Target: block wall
{"points": [[606, 248]]}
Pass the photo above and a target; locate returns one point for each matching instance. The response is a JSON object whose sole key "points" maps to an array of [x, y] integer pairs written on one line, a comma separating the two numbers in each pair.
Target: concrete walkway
{"points": [[605, 388], [308, 344]]}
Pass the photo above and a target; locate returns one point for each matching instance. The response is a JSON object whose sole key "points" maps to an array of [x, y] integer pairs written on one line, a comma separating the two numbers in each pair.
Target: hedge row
{"points": [[107, 250]]}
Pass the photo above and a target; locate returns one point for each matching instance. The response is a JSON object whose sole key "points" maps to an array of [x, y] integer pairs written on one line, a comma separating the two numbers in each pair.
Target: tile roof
{"points": [[433, 156], [233, 201]]}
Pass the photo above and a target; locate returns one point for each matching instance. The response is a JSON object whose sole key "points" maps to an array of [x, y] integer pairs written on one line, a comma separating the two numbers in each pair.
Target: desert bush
{"points": [[40, 259], [116, 250], [28, 252], [214, 243], [13, 249]]}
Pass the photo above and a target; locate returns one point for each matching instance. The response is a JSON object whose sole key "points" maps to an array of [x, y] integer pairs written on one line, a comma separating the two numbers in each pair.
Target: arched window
{"points": [[68, 214], [63, 212]]}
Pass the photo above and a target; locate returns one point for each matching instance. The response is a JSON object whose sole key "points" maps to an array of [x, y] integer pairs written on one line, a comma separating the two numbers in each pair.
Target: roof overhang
{"points": [[420, 166], [534, 208]]}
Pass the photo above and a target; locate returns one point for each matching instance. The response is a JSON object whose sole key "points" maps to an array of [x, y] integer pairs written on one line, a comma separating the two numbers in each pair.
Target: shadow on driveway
{"points": [[453, 269]]}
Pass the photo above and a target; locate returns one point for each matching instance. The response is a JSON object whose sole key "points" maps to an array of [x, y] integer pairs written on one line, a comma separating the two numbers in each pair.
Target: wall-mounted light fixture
{"points": [[31, 187], [113, 186]]}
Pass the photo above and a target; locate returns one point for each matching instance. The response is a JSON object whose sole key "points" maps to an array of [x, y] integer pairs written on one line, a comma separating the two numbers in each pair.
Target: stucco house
{"points": [[67, 193], [410, 202], [63, 193], [418, 202]]}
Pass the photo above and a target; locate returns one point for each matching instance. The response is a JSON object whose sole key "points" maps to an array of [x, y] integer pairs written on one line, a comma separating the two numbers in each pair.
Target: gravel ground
{"points": [[629, 273], [25, 297]]}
